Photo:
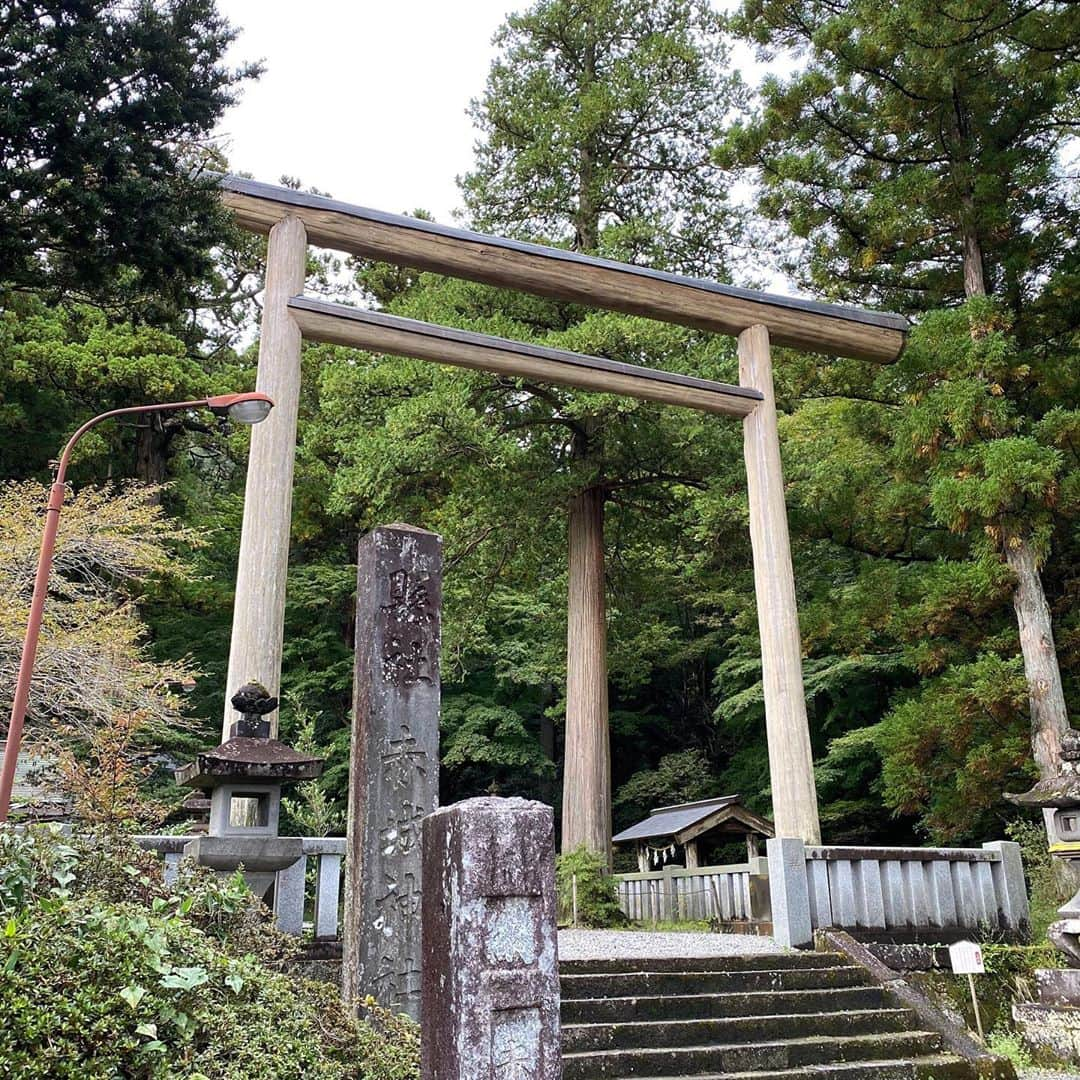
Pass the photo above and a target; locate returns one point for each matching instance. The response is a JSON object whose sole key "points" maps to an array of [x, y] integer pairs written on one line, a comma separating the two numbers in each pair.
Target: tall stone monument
{"points": [[394, 762], [490, 970]]}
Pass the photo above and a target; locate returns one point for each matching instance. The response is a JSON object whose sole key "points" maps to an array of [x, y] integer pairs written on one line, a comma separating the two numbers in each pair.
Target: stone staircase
{"points": [[761, 1017]]}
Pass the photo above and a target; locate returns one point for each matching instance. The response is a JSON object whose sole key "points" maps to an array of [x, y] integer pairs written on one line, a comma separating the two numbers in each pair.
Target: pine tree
{"points": [[597, 120], [106, 109], [920, 154]]}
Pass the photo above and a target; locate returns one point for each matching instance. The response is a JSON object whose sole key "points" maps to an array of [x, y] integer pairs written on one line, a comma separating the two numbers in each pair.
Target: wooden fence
{"points": [[676, 894]]}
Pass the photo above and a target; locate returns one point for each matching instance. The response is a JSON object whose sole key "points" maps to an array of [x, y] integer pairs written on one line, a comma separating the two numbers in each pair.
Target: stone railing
{"points": [[676, 894], [290, 892], [896, 891]]}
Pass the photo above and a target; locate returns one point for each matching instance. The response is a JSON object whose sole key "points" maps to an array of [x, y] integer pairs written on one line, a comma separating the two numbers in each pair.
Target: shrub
{"points": [[1044, 885], [107, 972], [103, 990], [597, 896], [42, 864], [389, 1044]]}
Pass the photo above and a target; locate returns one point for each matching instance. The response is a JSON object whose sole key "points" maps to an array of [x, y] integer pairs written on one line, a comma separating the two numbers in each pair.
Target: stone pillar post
{"points": [[259, 610], [491, 972], [791, 761], [393, 763], [1009, 885], [789, 892]]}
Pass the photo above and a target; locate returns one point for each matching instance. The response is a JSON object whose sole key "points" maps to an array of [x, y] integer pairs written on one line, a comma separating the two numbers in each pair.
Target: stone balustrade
{"points": [[889, 891], [290, 887]]}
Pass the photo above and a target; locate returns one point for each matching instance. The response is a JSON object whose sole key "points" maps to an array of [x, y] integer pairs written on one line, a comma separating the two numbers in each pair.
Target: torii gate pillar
{"points": [[259, 613], [791, 762]]}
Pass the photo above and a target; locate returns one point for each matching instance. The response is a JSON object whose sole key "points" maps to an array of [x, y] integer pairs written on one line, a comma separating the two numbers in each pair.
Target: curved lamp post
{"points": [[243, 408]]}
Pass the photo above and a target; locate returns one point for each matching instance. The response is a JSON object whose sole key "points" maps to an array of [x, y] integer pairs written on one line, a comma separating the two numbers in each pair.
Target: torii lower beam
{"points": [[791, 765], [320, 320]]}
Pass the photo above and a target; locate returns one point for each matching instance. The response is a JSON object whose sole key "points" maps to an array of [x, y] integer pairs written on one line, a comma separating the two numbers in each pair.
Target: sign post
{"points": [[967, 959]]}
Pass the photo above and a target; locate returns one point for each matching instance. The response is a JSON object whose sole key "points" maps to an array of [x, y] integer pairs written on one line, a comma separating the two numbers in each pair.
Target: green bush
{"points": [[41, 863], [106, 972], [98, 990], [1044, 888], [597, 895]]}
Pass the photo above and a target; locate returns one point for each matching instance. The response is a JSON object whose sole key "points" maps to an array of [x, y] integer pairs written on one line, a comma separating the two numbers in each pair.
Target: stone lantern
{"points": [[1059, 799], [1053, 1021], [244, 776]]}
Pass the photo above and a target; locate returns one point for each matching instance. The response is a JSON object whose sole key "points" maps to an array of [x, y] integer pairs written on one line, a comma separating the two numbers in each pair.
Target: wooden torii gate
{"points": [[293, 219]]}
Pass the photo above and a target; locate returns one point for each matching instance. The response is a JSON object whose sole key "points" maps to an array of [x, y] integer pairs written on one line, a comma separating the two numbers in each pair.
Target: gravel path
{"points": [[1046, 1074], [613, 944]]}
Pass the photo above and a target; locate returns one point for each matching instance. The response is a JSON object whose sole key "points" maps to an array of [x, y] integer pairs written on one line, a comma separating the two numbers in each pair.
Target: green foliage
{"points": [[1046, 889], [109, 972], [953, 746], [597, 898], [1006, 1043], [310, 809], [93, 671], [677, 778], [484, 739], [42, 867], [596, 124], [96, 990], [101, 103], [388, 1045], [904, 130]]}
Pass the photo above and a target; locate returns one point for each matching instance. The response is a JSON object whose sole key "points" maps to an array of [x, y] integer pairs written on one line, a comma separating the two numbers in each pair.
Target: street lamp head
{"points": [[250, 408]]}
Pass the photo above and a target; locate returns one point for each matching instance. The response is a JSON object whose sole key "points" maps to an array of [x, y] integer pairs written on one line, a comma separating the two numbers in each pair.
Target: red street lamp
{"points": [[243, 408]]}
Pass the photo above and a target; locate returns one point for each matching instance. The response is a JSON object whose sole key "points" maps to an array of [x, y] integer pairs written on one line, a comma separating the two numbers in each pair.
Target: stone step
{"points": [[760, 1056], [930, 1067], [742, 962], [612, 1010], [710, 982], [727, 1030]]}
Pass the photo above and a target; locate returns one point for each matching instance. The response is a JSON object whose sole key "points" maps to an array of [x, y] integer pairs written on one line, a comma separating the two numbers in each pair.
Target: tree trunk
{"points": [[1046, 697], [973, 264], [974, 270], [587, 217], [151, 451], [1049, 720], [586, 817], [547, 743]]}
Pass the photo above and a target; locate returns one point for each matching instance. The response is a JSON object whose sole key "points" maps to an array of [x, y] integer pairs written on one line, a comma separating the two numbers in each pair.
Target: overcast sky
{"points": [[365, 99]]}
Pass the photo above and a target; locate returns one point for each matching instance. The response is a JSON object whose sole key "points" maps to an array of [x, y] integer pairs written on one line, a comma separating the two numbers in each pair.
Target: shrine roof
{"points": [[684, 821]]}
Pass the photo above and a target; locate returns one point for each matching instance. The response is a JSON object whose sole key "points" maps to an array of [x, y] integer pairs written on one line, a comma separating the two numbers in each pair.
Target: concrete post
{"points": [[791, 763], [394, 762], [1009, 885], [259, 610], [491, 972], [327, 890], [289, 897], [789, 892]]}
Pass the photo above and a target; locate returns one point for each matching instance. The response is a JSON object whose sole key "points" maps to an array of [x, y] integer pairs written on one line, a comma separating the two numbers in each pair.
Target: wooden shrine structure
{"points": [[758, 319], [658, 838]]}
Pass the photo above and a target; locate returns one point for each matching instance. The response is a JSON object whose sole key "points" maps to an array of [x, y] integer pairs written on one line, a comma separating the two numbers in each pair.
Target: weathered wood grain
{"points": [[376, 332], [791, 762], [259, 611], [586, 816], [565, 275]]}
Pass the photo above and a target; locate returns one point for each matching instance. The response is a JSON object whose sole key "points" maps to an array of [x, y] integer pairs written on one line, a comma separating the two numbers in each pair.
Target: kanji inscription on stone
{"points": [[394, 762], [490, 966]]}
